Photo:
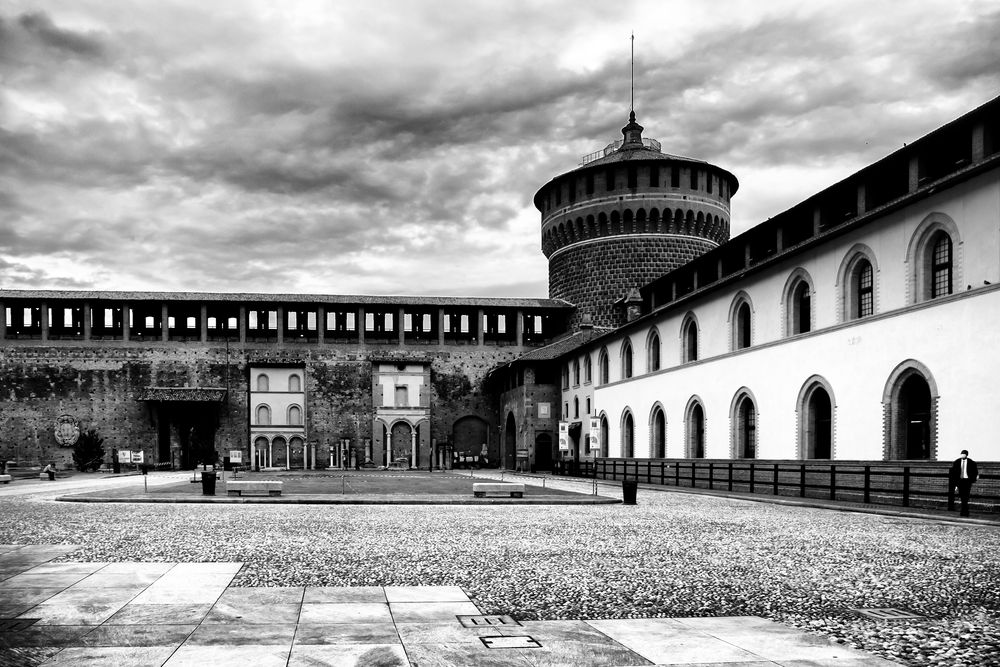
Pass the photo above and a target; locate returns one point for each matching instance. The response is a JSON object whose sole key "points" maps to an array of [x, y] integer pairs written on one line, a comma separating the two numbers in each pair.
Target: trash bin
{"points": [[208, 483], [629, 488]]}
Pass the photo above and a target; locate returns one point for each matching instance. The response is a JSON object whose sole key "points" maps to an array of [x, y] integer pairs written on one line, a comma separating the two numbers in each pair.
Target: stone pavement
{"points": [[180, 614]]}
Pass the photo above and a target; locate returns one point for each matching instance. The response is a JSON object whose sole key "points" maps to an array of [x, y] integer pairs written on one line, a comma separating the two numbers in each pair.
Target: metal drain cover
{"points": [[888, 614], [487, 621], [511, 642], [16, 624]]}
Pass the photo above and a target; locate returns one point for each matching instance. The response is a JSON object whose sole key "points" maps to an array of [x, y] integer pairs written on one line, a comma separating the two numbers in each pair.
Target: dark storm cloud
{"points": [[67, 42]]}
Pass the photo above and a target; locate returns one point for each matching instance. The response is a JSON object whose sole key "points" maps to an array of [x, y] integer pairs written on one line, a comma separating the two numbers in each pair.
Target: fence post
{"points": [[711, 475], [662, 463], [693, 469], [833, 482], [677, 474], [906, 486], [730, 475], [802, 480], [649, 472], [868, 484], [751, 477], [775, 479]]}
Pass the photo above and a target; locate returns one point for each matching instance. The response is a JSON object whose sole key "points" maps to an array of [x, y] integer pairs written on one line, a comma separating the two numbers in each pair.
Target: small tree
{"points": [[88, 452]]}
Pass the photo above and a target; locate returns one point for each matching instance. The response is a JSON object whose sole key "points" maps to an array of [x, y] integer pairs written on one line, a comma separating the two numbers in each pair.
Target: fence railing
{"points": [[901, 483]]}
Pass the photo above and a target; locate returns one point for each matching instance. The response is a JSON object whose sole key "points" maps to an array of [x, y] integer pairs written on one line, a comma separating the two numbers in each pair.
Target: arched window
{"points": [[263, 415], [565, 376], [658, 430], [653, 352], [602, 366], [576, 371], [263, 383], [295, 415], [294, 383], [587, 369], [695, 429], [689, 339], [740, 318], [932, 258], [744, 426], [576, 408], [798, 303], [941, 266], [604, 435], [628, 435], [857, 279], [626, 359]]}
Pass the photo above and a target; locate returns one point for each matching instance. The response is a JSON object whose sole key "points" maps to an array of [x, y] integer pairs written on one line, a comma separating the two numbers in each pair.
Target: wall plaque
{"points": [[67, 430]]}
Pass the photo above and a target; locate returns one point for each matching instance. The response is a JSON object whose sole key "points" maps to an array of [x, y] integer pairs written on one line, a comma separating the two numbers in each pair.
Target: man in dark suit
{"points": [[962, 476]]}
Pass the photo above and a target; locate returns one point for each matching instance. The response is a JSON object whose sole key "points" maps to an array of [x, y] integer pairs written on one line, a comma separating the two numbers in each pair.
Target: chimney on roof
{"points": [[633, 305], [586, 321]]}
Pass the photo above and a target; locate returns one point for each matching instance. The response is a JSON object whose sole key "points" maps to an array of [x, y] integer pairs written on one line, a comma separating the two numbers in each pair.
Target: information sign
{"points": [[124, 456], [236, 456], [564, 436], [137, 457]]}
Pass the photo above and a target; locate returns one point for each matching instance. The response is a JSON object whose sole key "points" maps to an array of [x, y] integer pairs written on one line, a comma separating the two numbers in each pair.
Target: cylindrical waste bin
{"points": [[629, 488], [208, 483]]}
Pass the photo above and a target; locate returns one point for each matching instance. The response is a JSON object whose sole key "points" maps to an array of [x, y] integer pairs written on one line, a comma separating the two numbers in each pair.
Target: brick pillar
{"points": [[164, 322], [203, 319], [243, 324], [399, 325], [281, 334], [86, 321], [43, 313], [520, 328], [3, 321], [361, 325], [320, 336], [125, 331], [479, 327], [440, 317]]}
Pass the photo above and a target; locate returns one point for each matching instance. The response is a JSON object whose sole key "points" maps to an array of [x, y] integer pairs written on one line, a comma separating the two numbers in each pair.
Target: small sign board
{"points": [[124, 456], [594, 436], [544, 410], [522, 453], [236, 456], [564, 436], [137, 457]]}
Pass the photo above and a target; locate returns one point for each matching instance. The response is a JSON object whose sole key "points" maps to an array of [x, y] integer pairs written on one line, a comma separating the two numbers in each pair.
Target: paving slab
{"points": [[348, 655]]}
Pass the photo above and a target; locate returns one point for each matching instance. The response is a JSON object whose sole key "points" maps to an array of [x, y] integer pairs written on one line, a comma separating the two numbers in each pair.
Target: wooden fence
{"points": [[901, 483]]}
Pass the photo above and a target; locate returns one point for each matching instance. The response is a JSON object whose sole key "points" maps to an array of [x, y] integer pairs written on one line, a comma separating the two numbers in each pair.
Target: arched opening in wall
{"points": [[615, 223], [294, 415], [279, 452], [799, 308], [543, 451], [817, 424], [653, 352], [263, 383], [627, 223], [604, 436], [297, 452], [640, 221], [603, 372], [401, 443], [626, 359], [933, 258], [910, 406], [294, 383], [654, 221], [741, 322], [695, 428], [941, 265], [689, 339], [263, 415], [857, 283], [470, 437], [602, 224], [510, 442], [261, 453], [658, 432], [744, 421], [628, 435]]}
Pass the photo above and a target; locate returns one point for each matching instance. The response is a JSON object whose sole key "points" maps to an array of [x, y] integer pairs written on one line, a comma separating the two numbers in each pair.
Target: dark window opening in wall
{"points": [[576, 371], [819, 425], [746, 425], [105, 321], [460, 327], [420, 327], [694, 178], [628, 436], [941, 267], [604, 436], [587, 370], [866, 292], [499, 327], [558, 189], [571, 190], [743, 329], [949, 150], [576, 408], [659, 448], [609, 179], [145, 322], [262, 324], [588, 405], [654, 176], [691, 341], [536, 328], [675, 177], [565, 377], [633, 177], [589, 183], [696, 432], [223, 322], [708, 182], [603, 370], [626, 360], [183, 321], [915, 409], [300, 325], [799, 309], [65, 322], [653, 353]]}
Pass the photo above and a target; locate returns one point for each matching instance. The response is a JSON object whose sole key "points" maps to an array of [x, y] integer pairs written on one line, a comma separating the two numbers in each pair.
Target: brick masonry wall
{"points": [[99, 384], [595, 275]]}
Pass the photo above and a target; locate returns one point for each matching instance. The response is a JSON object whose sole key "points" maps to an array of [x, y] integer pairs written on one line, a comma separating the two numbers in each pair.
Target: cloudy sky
{"points": [[393, 147]]}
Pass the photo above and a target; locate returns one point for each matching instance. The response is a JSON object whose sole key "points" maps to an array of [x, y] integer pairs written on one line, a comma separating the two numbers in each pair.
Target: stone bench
{"points": [[480, 489], [5, 479], [247, 487]]}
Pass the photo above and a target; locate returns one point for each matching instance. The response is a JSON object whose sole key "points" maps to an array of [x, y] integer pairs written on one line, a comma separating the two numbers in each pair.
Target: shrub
{"points": [[88, 452]]}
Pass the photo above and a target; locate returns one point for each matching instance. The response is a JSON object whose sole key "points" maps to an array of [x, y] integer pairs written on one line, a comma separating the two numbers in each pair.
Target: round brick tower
{"points": [[627, 215]]}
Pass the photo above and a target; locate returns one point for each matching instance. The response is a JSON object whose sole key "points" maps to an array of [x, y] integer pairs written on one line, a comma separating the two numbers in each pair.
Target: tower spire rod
{"points": [[632, 99]]}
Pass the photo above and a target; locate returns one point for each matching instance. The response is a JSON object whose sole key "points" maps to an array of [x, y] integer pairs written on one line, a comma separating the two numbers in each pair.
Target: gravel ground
{"points": [[672, 555]]}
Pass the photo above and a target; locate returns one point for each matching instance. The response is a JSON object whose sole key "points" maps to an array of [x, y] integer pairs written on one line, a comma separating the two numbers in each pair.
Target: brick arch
{"points": [[657, 438], [806, 422], [742, 440], [896, 420]]}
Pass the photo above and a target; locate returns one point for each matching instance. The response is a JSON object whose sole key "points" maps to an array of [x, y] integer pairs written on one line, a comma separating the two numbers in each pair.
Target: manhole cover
{"points": [[887, 614], [15, 624], [511, 642], [487, 621]]}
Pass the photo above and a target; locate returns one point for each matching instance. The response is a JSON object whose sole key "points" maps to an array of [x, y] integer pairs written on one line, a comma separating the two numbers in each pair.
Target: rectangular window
{"points": [[67, 317], [389, 322], [588, 405], [538, 324], [331, 321], [427, 322], [231, 323], [694, 179], [311, 321], [9, 316], [609, 179], [590, 183], [447, 322], [708, 182], [211, 323], [369, 321], [402, 397], [654, 176], [272, 319], [253, 320], [501, 324], [407, 322], [150, 323], [675, 177], [465, 324], [109, 318], [350, 322], [293, 320], [192, 323], [633, 178]]}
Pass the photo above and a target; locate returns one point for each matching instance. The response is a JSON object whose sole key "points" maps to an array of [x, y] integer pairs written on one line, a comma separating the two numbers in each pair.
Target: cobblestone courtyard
{"points": [[673, 555]]}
